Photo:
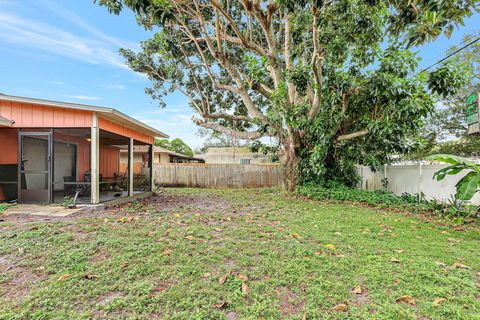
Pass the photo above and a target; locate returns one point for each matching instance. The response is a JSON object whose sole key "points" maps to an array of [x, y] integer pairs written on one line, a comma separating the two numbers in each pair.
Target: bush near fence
{"points": [[212, 175]]}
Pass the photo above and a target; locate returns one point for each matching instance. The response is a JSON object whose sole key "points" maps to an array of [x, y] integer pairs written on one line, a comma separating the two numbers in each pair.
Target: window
{"points": [[244, 161]]}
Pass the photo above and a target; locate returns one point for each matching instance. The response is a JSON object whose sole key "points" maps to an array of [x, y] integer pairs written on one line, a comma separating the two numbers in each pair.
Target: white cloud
{"points": [[38, 35], [71, 17], [82, 97]]}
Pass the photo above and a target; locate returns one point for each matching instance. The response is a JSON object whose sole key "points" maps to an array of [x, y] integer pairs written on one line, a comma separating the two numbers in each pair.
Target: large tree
{"points": [[333, 80]]}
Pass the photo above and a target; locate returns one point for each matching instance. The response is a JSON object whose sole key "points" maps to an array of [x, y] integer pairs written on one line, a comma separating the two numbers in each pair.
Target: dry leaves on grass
{"points": [[221, 305], [245, 288], [394, 260], [357, 290], [65, 277], [223, 279], [406, 299], [295, 235], [167, 252], [342, 307], [437, 301], [91, 276], [330, 246], [460, 265]]}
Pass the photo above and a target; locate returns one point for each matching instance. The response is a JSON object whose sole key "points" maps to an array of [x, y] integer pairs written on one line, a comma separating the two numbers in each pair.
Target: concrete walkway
{"points": [[41, 210]]}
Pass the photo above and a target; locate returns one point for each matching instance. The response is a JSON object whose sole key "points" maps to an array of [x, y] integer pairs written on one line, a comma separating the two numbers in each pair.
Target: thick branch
{"points": [[227, 116], [250, 135], [350, 136]]}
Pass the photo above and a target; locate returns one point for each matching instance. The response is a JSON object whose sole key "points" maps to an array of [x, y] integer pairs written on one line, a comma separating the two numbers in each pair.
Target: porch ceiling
{"points": [[4, 122]]}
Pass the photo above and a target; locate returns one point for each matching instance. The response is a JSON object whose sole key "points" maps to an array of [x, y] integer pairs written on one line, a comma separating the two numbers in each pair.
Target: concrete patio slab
{"points": [[41, 210]]}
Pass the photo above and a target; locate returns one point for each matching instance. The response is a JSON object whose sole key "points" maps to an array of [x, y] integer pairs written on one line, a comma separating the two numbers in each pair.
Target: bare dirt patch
{"points": [[18, 279], [291, 303]]}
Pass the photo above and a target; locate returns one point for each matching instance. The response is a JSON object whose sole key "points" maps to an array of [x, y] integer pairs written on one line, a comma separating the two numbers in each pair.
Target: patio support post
{"points": [[95, 160], [130, 167], [151, 155]]}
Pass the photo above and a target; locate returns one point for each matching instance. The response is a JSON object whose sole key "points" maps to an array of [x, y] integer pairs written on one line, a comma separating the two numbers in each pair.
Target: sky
{"points": [[67, 50]]}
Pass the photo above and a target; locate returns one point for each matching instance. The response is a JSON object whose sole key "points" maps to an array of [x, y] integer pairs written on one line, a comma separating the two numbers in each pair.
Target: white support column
{"points": [[151, 156], [130, 167], [95, 161]]}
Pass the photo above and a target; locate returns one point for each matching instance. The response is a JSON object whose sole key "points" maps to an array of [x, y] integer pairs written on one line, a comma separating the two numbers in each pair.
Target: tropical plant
{"points": [[469, 184], [335, 82]]}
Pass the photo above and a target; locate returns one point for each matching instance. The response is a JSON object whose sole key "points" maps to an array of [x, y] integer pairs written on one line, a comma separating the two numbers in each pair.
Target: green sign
{"points": [[472, 111]]}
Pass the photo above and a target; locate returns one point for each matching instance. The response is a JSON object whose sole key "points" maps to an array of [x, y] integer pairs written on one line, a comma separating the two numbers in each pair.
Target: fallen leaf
{"points": [[90, 276], [295, 235], [319, 253], [221, 305], [190, 237], [440, 264], [207, 275], [459, 265], [223, 279], [394, 260], [65, 277], [124, 265], [395, 281], [407, 299], [342, 307], [357, 290], [21, 250], [330, 246], [244, 288], [177, 215], [399, 251], [437, 301], [167, 252], [304, 316], [242, 277], [453, 240]]}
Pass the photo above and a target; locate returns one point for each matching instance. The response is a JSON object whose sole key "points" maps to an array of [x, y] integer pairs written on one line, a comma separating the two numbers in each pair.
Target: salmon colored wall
{"points": [[123, 130], [109, 161], [9, 142], [31, 115]]}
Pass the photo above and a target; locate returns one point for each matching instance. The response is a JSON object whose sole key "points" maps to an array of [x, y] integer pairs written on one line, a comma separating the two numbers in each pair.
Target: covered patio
{"points": [[53, 152]]}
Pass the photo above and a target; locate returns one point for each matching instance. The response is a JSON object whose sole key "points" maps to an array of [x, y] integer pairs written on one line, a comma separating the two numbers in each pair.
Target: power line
{"points": [[451, 54]]}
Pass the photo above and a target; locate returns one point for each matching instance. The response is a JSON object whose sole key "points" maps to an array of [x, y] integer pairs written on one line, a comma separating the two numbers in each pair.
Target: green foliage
{"points": [[386, 199], [469, 184], [343, 90], [176, 145]]}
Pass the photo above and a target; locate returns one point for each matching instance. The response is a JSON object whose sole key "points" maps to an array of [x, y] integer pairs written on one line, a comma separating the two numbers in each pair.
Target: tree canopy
{"points": [[334, 81], [176, 145]]}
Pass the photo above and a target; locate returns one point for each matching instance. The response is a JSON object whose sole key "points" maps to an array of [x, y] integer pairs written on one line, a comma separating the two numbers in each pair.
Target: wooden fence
{"points": [[211, 175]]}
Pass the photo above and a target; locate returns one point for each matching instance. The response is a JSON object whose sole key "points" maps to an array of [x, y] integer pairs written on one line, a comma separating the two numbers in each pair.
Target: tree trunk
{"points": [[291, 159]]}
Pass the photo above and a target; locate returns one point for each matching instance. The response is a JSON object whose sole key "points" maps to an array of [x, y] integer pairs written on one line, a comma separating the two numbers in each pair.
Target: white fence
{"points": [[413, 178]]}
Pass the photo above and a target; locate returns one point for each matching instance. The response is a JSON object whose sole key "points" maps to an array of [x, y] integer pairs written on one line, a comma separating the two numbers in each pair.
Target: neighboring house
{"points": [[161, 156], [51, 150], [234, 155]]}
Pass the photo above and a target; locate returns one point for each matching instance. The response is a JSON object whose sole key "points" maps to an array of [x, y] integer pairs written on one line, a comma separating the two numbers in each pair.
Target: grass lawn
{"points": [[238, 254]]}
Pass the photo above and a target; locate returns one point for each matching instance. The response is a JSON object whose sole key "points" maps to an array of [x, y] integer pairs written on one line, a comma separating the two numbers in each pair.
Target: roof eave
{"points": [[68, 105]]}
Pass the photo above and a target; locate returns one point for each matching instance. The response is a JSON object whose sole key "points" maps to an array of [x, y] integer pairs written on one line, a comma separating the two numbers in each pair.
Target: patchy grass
{"points": [[4, 207], [238, 254]]}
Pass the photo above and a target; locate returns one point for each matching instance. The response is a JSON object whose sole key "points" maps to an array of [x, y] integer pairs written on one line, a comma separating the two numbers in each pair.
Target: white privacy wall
{"points": [[413, 178]]}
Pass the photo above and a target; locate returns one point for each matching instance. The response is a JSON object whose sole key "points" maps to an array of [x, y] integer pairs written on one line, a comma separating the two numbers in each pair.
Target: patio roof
{"points": [[107, 112], [6, 122]]}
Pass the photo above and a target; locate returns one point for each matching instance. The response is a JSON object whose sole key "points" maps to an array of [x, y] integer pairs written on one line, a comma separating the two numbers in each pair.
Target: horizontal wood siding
{"points": [[28, 115], [205, 175], [123, 130]]}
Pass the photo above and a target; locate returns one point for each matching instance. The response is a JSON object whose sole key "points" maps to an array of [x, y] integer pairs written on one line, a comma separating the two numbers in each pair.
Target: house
{"points": [[51, 150], [161, 156], [234, 155]]}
